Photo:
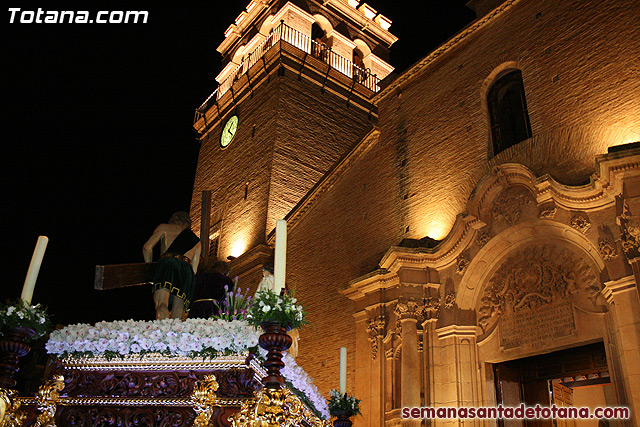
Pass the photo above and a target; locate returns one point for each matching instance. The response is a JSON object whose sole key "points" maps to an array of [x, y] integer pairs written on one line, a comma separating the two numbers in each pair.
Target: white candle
{"points": [[280, 260], [343, 369], [34, 268]]}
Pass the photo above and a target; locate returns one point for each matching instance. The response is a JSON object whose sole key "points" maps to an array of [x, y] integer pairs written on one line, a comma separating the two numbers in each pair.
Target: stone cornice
{"points": [[378, 279], [444, 254], [409, 75], [604, 186], [236, 29], [457, 331], [365, 24], [616, 286], [253, 258]]}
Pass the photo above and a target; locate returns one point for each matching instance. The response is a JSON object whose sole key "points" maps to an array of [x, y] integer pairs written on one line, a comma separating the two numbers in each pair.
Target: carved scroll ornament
{"points": [[376, 328]]}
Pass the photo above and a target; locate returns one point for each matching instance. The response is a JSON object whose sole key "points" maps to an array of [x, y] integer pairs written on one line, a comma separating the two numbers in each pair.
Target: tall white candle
{"points": [[280, 255], [34, 269], [343, 369]]}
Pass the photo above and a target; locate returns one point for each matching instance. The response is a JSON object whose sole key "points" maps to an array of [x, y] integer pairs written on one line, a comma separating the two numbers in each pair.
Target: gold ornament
{"points": [[276, 408], [204, 399], [10, 413], [47, 399]]}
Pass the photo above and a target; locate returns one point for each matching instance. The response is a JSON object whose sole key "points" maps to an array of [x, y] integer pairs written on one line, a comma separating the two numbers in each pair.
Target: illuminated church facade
{"points": [[469, 229]]}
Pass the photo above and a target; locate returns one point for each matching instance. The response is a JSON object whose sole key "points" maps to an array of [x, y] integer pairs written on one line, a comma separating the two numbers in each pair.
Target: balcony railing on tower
{"points": [[319, 50]]}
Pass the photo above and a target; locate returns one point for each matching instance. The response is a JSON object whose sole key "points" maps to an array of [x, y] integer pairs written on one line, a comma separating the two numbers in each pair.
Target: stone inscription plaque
{"points": [[536, 328]]}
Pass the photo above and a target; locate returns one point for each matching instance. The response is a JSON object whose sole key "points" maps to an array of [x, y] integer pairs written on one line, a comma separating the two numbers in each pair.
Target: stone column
{"points": [[408, 311], [622, 294], [430, 313], [376, 326], [457, 371], [363, 372]]}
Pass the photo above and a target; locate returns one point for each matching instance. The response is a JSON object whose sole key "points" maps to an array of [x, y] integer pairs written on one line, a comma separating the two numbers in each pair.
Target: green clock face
{"points": [[229, 131]]}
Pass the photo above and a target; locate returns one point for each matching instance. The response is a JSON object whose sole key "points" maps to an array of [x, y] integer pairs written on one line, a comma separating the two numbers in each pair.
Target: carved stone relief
{"points": [[462, 262], [533, 277], [449, 299], [407, 308], [376, 328], [607, 249], [483, 238], [510, 204], [630, 227], [547, 212], [581, 223], [431, 308]]}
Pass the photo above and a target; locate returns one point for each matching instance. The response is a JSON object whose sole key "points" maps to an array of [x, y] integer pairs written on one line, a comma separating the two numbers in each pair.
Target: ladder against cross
{"points": [[123, 275]]}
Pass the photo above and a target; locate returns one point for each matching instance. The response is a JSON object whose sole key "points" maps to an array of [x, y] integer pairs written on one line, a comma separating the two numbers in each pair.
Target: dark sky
{"points": [[97, 137]]}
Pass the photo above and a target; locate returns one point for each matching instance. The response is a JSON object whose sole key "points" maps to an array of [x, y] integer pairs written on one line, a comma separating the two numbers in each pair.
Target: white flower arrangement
{"points": [[172, 337], [268, 306], [27, 316]]}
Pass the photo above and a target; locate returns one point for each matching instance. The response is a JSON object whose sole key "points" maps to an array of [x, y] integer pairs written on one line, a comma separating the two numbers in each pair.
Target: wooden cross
{"points": [[123, 275]]}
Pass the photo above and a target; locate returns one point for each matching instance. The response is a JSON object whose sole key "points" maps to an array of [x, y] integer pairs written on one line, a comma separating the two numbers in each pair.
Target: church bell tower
{"points": [[294, 95]]}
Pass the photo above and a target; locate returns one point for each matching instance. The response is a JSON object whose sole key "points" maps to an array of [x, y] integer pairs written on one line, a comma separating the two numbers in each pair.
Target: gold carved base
{"points": [[276, 408]]}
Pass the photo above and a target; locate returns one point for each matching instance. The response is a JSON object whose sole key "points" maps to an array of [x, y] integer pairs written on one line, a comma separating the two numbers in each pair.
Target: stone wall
{"points": [[414, 177], [433, 148]]}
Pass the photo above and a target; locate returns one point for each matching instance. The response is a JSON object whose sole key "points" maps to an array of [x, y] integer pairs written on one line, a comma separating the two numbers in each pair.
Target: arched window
{"points": [[508, 111], [318, 42], [360, 73]]}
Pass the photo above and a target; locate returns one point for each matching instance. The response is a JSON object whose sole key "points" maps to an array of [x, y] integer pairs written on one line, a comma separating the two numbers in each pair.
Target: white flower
{"points": [[266, 308], [10, 310]]}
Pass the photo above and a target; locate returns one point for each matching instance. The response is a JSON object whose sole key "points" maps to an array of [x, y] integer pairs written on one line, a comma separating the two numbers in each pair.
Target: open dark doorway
{"points": [[577, 377]]}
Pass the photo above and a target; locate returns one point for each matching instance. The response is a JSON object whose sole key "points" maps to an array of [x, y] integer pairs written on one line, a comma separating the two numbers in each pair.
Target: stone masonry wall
{"points": [[582, 87]]}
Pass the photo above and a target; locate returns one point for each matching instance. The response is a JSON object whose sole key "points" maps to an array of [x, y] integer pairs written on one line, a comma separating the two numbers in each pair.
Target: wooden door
{"points": [[508, 391], [562, 397]]}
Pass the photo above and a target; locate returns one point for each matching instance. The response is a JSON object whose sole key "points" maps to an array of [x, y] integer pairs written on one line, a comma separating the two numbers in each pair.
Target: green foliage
{"points": [[343, 403], [26, 316]]}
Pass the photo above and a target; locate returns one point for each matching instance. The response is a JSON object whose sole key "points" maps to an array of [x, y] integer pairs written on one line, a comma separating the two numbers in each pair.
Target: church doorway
{"points": [[577, 377]]}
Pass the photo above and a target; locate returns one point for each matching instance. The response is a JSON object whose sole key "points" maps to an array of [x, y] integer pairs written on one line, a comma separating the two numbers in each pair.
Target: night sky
{"points": [[98, 140]]}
